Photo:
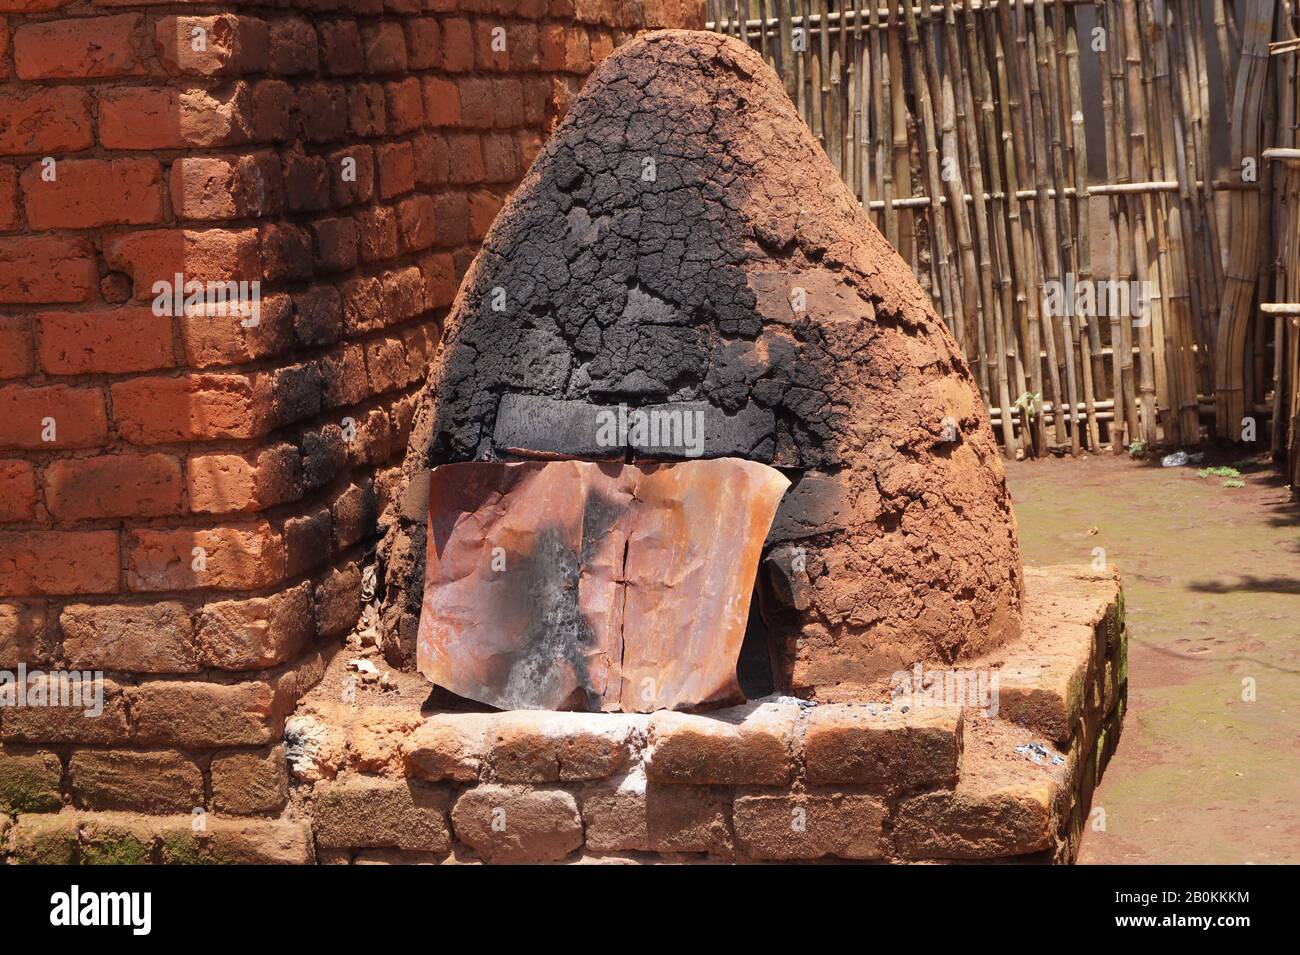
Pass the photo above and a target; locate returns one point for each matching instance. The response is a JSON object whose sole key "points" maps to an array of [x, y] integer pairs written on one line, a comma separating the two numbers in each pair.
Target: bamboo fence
{"points": [[1283, 311], [961, 127]]}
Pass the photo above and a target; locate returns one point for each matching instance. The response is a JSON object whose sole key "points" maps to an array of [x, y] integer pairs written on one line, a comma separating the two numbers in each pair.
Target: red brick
{"points": [[216, 187], [286, 252], [250, 783], [509, 94], [405, 106], [552, 42], [375, 439], [15, 346], [577, 50], [477, 102], [147, 638], [93, 192], [156, 255], [365, 811], [113, 485], [415, 222], [439, 279], [525, 50], [293, 47], [809, 825], [485, 37], [227, 482], [34, 563], [500, 164], [232, 44], [483, 209], [244, 557], [377, 230], [746, 745], [78, 413], [361, 187], [340, 48], [323, 109], [396, 169], [74, 49], [17, 491], [273, 111], [338, 602], [336, 243], [423, 43], [31, 6], [534, 747], [385, 364], [858, 745], [152, 782], [404, 295], [8, 198], [343, 373], [466, 160], [189, 408], [441, 102], [451, 219], [68, 724], [29, 780], [306, 182], [24, 637], [658, 819], [41, 120], [239, 842], [457, 46], [529, 144], [542, 825], [165, 118], [110, 340], [226, 340], [36, 269], [384, 44], [257, 633], [193, 714], [140, 117], [367, 111]]}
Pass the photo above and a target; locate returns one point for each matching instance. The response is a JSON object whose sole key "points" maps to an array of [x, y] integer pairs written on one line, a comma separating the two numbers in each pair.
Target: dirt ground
{"points": [[1211, 578]]}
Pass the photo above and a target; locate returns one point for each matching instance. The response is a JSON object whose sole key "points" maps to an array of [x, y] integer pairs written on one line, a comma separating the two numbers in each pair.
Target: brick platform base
{"points": [[377, 780]]}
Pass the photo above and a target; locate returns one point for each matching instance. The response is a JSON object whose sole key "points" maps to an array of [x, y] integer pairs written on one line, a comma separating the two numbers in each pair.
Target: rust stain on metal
{"points": [[592, 586]]}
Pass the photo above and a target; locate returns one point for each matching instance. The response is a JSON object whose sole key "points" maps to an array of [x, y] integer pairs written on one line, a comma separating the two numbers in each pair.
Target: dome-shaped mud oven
{"points": [[682, 254]]}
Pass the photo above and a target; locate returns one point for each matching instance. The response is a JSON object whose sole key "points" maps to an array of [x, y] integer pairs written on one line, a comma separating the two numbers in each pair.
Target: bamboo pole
{"points": [[1241, 273], [941, 265]]}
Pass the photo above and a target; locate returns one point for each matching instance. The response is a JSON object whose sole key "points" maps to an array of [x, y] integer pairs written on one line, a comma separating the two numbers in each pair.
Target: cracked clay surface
{"points": [[682, 238]]}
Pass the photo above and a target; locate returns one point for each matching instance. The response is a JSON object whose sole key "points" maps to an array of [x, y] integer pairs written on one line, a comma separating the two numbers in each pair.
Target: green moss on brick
{"points": [[29, 784], [181, 848], [126, 850]]}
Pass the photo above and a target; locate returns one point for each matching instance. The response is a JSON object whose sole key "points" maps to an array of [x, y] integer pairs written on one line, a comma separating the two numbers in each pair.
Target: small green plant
{"points": [[1026, 403], [1234, 483], [1137, 449], [1218, 472]]}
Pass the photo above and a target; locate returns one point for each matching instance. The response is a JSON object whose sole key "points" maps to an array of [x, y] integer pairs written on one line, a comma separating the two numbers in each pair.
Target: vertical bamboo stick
{"points": [[1241, 272]]}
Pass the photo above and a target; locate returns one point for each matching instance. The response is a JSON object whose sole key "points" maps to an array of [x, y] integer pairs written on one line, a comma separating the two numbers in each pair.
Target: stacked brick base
{"points": [[375, 780]]}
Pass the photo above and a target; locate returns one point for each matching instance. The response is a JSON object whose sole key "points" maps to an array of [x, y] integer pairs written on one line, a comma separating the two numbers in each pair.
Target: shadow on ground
{"points": [[1212, 587]]}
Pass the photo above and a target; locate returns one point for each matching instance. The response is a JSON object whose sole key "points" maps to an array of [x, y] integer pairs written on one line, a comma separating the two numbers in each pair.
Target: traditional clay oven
{"points": [[681, 246], [682, 243]]}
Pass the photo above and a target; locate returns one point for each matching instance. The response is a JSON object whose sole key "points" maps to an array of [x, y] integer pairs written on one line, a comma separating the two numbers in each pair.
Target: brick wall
{"points": [[185, 500]]}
